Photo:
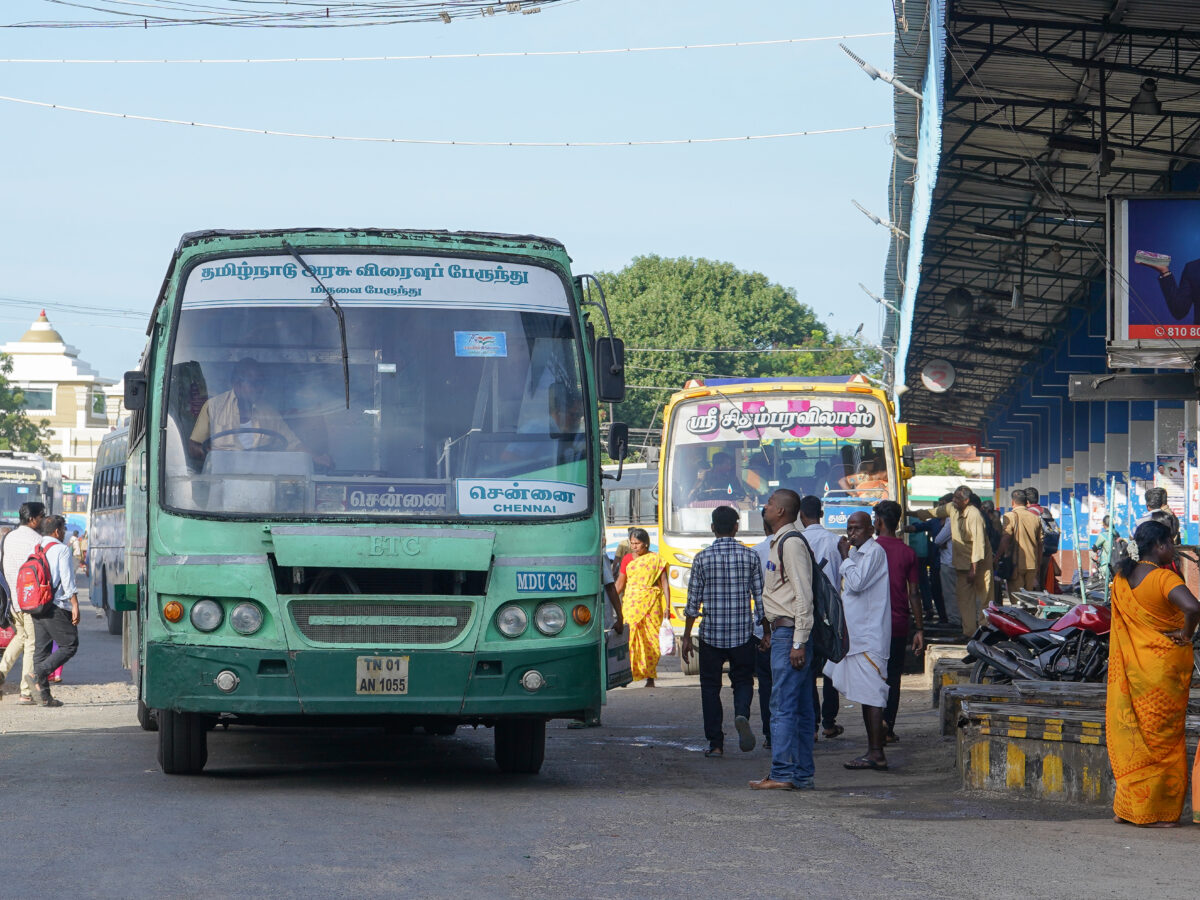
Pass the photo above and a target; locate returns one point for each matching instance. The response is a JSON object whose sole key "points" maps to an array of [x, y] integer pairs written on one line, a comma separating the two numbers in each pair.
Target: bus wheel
{"points": [[691, 665], [520, 745], [182, 742], [146, 717]]}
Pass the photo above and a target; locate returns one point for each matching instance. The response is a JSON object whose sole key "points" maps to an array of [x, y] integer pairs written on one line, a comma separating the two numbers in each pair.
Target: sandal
{"points": [[714, 752], [833, 731], [890, 738], [865, 762], [25, 701]]}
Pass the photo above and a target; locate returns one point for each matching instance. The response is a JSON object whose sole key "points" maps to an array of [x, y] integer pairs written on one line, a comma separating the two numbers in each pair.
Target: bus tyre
{"points": [[691, 665], [115, 620], [520, 746], [146, 717], [182, 742]]}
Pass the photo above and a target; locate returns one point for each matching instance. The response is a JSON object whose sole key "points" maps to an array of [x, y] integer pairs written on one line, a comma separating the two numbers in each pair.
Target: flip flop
{"points": [[865, 762], [833, 731], [714, 752], [891, 739]]}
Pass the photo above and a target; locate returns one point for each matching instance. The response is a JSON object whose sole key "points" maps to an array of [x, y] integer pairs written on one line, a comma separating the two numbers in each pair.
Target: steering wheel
{"points": [[275, 440]]}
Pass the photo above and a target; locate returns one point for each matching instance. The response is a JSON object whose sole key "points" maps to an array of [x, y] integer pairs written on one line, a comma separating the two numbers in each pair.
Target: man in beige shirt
{"points": [[1023, 539], [788, 613], [972, 555]]}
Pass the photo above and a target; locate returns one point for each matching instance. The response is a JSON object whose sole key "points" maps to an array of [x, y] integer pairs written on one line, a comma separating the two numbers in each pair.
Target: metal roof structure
{"points": [[1034, 112]]}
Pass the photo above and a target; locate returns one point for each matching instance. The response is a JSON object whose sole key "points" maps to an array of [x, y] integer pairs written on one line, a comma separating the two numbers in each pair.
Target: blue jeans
{"points": [[793, 719]]}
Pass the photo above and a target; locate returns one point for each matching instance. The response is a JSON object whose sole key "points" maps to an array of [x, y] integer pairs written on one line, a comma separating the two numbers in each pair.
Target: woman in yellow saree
{"points": [[644, 594], [1154, 616]]}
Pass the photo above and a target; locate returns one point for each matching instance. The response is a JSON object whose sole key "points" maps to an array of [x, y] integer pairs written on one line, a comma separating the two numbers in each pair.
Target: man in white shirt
{"points": [[59, 625], [15, 549], [824, 544], [867, 601]]}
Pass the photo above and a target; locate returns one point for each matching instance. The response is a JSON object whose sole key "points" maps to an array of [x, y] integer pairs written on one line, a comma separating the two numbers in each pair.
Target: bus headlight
{"points": [[207, 615], [684, 558], [550, 619], [246, 618], [679, 576], [512, 621]]}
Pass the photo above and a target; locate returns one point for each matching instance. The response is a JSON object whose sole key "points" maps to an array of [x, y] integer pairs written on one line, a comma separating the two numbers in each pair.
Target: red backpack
{"points": [[35, 583]]}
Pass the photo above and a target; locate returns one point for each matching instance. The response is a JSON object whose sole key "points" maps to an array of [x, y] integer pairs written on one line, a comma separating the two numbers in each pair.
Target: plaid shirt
{"points": [[725, 577]]}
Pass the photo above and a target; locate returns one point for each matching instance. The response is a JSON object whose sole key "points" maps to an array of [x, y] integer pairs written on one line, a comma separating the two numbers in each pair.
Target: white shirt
{"points": [[62, 570], [18, 545], [763, 549], [866, 598], [824, 545], [946, 555]]}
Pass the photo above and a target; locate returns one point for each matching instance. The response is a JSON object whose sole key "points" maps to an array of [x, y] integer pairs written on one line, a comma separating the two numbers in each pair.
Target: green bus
{"points": [[364, 487]]}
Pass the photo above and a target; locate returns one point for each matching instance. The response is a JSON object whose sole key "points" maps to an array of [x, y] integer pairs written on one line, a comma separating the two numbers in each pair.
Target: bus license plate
{"points": [[382, 675]]}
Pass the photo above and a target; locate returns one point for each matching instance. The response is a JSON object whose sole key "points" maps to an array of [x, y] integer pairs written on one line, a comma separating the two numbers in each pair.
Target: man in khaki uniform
{"points": [[1023, 539], [972, 555]]}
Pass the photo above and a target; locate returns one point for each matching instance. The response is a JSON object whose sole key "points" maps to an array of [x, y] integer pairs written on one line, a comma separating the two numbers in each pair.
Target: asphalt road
{"points": [[629, 809]]}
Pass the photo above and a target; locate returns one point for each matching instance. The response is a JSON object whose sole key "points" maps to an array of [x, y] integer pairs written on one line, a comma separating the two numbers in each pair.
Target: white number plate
{"points": [[382, 675]]}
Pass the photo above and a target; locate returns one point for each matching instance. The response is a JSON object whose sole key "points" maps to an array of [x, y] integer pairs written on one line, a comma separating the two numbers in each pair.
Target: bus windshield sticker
{"points": [[546, 582], [395, 498], [503, 497], [480, 343], [374, 280]]}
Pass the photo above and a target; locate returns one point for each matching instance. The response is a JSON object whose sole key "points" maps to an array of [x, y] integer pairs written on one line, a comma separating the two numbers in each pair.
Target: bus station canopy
{"points": [[1032, 114]]}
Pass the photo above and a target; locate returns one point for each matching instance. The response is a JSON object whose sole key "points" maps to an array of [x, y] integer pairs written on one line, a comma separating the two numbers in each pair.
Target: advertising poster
{"points": [[1154, 288], [1171, 474]]}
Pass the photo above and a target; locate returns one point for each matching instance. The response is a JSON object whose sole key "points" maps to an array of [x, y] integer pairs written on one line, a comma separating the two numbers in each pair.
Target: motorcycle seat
{"points": [[1032, 622]]}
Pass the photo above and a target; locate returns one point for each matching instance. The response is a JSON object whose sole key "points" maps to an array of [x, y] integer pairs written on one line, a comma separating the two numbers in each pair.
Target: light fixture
{"points": [[899, 232], [1053, 255], [880, 73], [959, 302], [878, 299], [1146, 102], [1018, 299]]}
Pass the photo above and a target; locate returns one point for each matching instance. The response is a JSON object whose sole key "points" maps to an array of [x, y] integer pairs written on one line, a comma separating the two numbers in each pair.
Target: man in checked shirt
{"points": [[726, 584]]}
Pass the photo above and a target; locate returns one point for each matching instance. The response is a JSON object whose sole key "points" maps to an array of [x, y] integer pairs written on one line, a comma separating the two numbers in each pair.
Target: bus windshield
{"points": [[737, 451], [17, 486], [465, 395]]}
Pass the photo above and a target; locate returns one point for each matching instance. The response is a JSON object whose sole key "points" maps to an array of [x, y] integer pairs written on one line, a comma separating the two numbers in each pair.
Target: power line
{"points": [[436, 141], [772, 350], [429, 56]]}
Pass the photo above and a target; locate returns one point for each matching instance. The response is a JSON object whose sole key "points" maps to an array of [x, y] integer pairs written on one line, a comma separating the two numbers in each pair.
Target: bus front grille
{"points": [[403, 624]]}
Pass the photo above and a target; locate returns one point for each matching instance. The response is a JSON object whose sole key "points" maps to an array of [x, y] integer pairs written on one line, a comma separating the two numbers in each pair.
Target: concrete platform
{"points": [[948, 671]]}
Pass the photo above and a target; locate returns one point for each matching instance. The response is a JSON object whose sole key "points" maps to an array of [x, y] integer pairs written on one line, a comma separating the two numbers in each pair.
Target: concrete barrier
{"points": [[948, 671], [1044, 740]]}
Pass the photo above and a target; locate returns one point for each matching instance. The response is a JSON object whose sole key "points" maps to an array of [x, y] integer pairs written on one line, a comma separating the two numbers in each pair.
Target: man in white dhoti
{"points": [[866, 597]]}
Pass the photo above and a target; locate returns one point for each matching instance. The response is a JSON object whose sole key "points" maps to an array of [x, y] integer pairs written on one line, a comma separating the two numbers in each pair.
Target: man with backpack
{"points": [[788, 609], [58, 623], [18, 544]]}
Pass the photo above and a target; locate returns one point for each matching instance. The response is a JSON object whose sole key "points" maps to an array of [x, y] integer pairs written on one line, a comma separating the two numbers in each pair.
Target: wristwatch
{"points": [[796, 646]]}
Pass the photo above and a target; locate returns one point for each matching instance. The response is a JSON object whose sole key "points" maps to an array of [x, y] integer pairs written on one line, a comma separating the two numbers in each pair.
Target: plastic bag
{"points": [[666, 639]]}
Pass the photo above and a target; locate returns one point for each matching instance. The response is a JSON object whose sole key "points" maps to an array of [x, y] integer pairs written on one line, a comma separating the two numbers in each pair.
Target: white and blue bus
{"points": [[106, 525]]}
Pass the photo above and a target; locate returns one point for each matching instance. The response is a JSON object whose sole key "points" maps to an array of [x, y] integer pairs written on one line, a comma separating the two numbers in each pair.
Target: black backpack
{"points": [[831, 640]]}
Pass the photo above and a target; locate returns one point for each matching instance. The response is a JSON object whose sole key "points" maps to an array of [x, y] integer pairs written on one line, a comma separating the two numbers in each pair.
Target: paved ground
{"points": [[630, 809]]}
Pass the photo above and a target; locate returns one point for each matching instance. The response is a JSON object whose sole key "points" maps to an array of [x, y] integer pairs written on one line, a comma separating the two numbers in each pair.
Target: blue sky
{"points": [[93, 207]]}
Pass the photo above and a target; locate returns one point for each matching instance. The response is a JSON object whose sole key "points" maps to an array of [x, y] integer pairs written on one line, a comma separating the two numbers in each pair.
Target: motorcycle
{"points": [[1015, 645]]}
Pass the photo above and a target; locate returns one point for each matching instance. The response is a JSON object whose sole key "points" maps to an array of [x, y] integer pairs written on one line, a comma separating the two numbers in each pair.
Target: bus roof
{"points": [[783, 379]]}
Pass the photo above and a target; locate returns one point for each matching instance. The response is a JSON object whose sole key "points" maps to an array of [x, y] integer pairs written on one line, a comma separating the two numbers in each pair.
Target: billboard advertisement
{"points": [[1154, 281]]}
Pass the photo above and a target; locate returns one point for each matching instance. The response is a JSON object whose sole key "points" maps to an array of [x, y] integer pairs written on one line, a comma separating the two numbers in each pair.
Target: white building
{"points": [[80, 404]]}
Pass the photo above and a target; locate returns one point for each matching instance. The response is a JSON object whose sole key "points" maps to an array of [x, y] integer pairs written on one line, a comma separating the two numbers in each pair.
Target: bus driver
{"points": [[239, 420]]}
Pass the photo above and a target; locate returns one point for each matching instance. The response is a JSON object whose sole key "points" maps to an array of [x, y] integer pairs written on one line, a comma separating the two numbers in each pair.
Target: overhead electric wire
{"points": [[443, 142], [505, 54]]}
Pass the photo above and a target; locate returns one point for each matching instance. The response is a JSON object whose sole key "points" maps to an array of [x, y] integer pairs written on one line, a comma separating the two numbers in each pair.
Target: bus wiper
{"points": [[337, 311]]}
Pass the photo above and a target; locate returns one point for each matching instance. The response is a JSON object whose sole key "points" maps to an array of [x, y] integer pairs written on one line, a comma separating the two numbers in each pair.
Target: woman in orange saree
{"points": [[1154, 616], [644, 594]]}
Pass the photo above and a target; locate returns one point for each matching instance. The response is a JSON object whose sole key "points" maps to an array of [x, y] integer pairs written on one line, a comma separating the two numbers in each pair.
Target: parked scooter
{"points": [[1015, 645]]}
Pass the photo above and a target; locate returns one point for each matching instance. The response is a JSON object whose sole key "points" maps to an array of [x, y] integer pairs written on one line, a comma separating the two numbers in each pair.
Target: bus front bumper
{"points": [[475, 686]]}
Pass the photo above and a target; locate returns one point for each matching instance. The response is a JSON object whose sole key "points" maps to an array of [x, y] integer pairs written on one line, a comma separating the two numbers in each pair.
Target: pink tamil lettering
{"points": [[844, 406], [799, 406]]}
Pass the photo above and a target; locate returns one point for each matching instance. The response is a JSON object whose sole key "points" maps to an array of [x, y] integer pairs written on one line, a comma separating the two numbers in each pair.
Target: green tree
{"points": [[693, 308], [939, 464], [17, 432]]}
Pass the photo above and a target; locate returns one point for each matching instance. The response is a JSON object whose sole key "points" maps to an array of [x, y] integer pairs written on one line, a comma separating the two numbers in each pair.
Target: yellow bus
{"points": [[732, 442]]}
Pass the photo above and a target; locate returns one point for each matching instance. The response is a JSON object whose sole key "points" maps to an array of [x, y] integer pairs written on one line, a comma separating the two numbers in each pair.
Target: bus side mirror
{"points": [[610, 370], [618, 441], [135, 391], [907, 462]]}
